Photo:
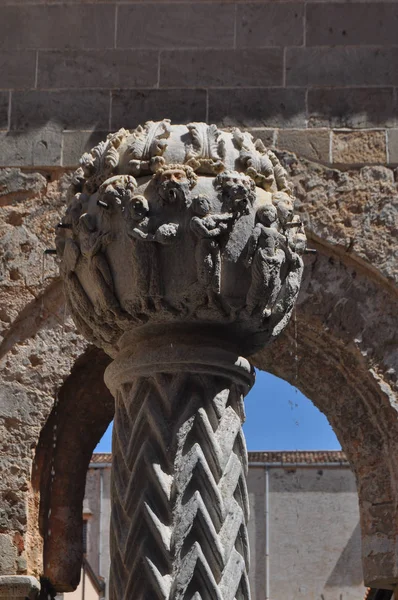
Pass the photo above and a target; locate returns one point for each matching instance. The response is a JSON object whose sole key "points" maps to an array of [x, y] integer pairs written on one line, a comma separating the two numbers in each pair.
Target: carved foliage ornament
{"points": [[181, 224]]}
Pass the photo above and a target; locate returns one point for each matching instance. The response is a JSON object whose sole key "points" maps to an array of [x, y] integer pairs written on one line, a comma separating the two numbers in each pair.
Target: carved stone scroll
{"points": [[181, 253]]}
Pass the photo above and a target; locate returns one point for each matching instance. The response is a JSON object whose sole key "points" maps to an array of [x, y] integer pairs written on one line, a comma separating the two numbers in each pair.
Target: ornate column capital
{"points": [[174, 224]]}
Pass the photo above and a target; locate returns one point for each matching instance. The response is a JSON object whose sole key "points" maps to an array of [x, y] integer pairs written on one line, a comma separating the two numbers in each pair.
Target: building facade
{"points": [[303, 530]]}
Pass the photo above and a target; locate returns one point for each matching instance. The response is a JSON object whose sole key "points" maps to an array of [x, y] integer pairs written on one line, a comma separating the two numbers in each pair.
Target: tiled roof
{"points": [[103, 457], [298, 457]]}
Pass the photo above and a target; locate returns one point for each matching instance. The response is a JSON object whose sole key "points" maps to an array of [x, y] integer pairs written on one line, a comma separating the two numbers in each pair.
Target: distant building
{"points": [[303, 529]]}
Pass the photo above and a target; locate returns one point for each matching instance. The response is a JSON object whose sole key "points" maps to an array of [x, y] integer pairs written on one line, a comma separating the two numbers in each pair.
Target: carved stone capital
{"points": [[173, 224]]}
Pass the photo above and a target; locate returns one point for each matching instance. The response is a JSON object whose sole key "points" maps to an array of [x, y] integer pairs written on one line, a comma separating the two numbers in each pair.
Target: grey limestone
{"points": [[392, 140], [221, 68], [269, 24], [4, 106], [342, 66], [75, 143], [64, 109], [18, 69], [41, 147], [313, 145], [97, 68], [193, 25], [352, 108], [131, 106], [355, 23], [266, 135], [278, 107], [57, 26]]}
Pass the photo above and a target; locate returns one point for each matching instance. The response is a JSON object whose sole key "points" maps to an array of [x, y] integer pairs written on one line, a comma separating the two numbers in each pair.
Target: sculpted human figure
{"points": [[265, 257], [208, 228], [92, 245]]}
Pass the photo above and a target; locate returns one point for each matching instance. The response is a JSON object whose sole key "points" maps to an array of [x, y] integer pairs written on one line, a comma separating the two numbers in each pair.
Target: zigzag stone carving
{"points": [[180, 251]]}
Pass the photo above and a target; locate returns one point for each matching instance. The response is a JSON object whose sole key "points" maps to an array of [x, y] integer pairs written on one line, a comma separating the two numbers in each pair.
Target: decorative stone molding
{"points": [[180, 251], [18, 587]]}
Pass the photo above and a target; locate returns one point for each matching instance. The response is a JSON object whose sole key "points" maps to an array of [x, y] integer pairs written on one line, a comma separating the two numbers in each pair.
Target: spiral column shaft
{"points": [[179, 500]]}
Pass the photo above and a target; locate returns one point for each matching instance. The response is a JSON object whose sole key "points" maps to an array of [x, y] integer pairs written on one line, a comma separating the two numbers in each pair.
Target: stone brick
{"points": [[98, 68], [31, 148], [75, 143], [314, 145], [354, 23], [392, 139], [342, 66], [359, 147], [171, 25], [4, 101], [221, 68], [8, 555], [351, 108], [267, 136], [57, 26], [271, 24], [18, 69], [69, 110], [132, 107], [278, 107]]}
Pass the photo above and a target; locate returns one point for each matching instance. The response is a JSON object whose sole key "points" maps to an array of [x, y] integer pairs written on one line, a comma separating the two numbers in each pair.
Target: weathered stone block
{"points": [[67, 109], [221, 68], [4, 102], [132, 106], [359, 147], [342, 66], [258, 107], [352, 24], [8, 554], [31, 148], [57, 26], [351, 108], [269, 25], [183, 25], [392, 139], [19, 587], [86, 68], [18, 69], [267, 136], [314, 145], [13, 182], [75, 143]]}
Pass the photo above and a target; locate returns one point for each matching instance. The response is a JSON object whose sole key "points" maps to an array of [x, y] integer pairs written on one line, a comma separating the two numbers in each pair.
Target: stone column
{"points": [[179, 464], [180, 254]]}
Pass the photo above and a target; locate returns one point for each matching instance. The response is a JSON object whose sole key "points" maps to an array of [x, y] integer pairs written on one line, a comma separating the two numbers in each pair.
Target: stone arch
{"points": [[79, 418], [353, 392]]}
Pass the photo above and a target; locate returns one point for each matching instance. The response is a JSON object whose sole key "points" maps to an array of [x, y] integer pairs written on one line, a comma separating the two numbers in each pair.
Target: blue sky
{"points": [[278, 417]]}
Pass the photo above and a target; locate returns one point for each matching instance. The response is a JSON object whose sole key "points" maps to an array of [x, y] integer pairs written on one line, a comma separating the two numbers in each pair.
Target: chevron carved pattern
{"points": [[180, 506]]}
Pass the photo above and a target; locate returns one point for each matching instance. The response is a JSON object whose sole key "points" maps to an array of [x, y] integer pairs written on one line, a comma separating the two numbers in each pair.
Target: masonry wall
{"points": [[313, 534], [318, 78], [312, 527]]}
